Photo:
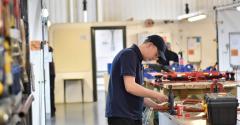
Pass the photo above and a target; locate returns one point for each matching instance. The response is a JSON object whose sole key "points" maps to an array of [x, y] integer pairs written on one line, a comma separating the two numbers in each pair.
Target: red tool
{"points": [[216, 86], [193, 76]]}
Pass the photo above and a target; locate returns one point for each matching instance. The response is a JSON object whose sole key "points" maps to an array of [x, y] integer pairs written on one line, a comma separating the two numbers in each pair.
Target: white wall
{"points": [[207, 31], [38, 109], [228, 21], [179, 32], [41, 103]]}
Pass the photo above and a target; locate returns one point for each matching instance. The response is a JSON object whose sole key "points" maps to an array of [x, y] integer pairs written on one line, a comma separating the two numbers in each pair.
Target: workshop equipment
{"points": [[197, 76], [171, 101], [220, 104], [147, 115], [230, 76], [216, 87]]}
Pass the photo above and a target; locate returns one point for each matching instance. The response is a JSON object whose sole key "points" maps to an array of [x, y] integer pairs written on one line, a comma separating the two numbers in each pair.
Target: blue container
{"points": [[181, 68], [188, 68], [109, 68], [16, 86], [175, 67]]}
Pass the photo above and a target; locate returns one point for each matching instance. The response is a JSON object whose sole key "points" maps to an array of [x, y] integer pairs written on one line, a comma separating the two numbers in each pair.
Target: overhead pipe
{"points": [[85, 10], [71, 10], [226, 6]]}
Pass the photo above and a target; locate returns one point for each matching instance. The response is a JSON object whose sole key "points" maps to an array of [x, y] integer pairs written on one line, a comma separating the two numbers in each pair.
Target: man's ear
{"points": [[149, 44]]}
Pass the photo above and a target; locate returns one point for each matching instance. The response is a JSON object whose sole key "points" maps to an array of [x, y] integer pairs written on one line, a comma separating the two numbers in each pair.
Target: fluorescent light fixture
{"points": [[49, 23], [238, 8], [185, 16], [45, 13], [85, 16], [196, 18]]}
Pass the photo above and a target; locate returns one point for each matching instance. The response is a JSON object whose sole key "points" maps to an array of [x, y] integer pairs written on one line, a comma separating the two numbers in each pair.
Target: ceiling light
{"points": [[238, 8], [196, 18], [185, 16], [49, 23], [45, 13]]}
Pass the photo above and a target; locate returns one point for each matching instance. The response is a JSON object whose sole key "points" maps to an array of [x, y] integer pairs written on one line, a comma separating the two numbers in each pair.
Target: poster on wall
{"points": [[194, 49], [234, 44]]}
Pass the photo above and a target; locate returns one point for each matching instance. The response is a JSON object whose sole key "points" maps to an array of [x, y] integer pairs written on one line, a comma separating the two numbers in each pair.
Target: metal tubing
{"points": [[26, 106], [227, 6]]}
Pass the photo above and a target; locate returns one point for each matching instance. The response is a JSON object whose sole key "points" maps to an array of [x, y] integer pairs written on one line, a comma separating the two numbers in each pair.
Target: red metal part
{"points": [[216, 85], [193, 76]]}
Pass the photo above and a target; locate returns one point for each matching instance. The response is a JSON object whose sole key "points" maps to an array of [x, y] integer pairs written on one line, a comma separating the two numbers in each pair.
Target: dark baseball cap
{"points": [[159, 43]]}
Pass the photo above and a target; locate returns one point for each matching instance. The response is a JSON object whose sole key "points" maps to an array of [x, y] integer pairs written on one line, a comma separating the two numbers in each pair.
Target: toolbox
{"points": [[221, 108]]}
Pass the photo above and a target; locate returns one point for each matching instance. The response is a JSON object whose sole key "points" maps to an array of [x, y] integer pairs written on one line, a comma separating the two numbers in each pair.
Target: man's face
{"points": [[151, 52]]}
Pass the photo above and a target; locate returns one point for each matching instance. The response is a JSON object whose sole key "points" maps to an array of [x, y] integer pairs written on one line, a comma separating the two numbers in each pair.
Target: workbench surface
{"points": [[194, 119], [198, 85]]}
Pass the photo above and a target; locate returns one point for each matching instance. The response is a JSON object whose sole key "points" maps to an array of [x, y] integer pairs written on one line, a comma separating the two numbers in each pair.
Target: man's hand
{"points": [[163, 107], [161, 98]]}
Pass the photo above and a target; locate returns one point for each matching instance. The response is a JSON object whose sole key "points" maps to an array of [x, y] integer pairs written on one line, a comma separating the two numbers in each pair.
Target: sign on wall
{"points": [[194, 49], [234, 44]]}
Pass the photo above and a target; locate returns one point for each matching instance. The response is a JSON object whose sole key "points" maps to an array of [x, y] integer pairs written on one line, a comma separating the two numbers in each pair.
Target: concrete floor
{"points": [[81, 114]]}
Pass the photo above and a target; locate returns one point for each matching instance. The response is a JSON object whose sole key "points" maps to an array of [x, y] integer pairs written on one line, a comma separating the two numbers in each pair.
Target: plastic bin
{"points": [[221, 109], [109, 68]]}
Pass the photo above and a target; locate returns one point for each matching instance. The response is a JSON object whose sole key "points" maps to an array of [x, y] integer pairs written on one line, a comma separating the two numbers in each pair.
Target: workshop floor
{"points": [[82, 114]]}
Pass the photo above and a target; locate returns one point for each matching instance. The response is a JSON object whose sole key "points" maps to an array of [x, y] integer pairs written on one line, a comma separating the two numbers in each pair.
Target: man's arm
{"points": [[149, 103], [138, 90], [159, 107]]}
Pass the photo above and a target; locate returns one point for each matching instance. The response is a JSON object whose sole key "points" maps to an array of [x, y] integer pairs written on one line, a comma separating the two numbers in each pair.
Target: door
{"points": [[106, 43]]}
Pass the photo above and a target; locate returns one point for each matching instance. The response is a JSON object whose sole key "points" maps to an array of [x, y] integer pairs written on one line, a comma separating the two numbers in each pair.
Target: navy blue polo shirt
{"points": [[120, 103]]}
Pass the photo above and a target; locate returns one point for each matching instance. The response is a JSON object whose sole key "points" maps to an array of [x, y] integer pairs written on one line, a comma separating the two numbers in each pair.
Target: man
{"points": [[126, 94], [52, 84]]}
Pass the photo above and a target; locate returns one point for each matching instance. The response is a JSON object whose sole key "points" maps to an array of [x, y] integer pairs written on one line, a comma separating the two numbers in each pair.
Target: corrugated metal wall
{"points": [[154, 9], [119, 10], [60, 10]]}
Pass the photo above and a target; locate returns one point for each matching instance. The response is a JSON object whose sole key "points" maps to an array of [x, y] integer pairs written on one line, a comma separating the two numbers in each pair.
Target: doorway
{"points": [[106, 43]]}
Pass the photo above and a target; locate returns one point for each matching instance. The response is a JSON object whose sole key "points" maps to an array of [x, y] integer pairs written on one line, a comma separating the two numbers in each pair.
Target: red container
{"points": [[179, 110]]}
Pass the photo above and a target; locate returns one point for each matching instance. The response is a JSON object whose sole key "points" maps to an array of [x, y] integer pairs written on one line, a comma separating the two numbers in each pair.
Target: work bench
{"points": [[184, 88], [194, 119]]}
